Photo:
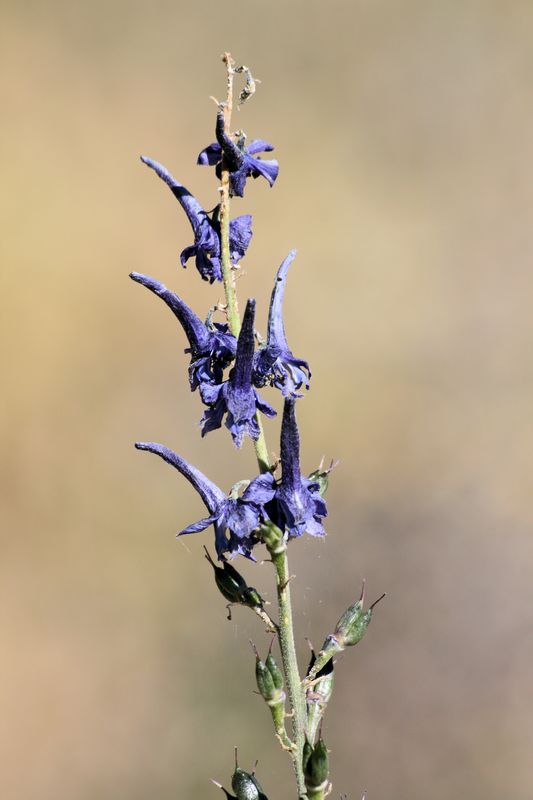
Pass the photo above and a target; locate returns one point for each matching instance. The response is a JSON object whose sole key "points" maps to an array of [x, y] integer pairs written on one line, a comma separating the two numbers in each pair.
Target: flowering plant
{"points": [[281, 503]]}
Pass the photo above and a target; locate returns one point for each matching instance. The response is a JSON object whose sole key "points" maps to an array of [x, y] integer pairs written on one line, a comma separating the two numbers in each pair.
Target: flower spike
{"points": [[206, 247], [275, 363]]}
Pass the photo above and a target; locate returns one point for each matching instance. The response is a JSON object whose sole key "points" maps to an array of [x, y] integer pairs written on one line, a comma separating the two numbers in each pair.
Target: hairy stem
{"points": [[228, 272], [290, 664]]}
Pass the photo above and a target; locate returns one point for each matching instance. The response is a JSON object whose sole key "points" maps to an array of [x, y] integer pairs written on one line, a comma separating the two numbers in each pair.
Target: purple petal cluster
{"points": [[206, 229], [293, 503], [236, 398], [300, 507], [241, 161], [275, 363], [234, 518], [211, 349]]}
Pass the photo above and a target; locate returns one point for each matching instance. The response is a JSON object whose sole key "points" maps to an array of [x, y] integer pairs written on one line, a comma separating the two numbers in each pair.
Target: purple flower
{"points": [[234, 518], [300, 506], [206, 247], [241, 160], [211, 349], [236, 397], [274, 363]]}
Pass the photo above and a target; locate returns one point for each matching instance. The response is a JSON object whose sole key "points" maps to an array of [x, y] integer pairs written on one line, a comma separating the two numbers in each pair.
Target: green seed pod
{"points": [[354, 622], [316, 770], [276, 673], [267, 676], [307, 751], [265, 684], [321, 476], [246, 786], [349, 630], [251, 597], [233, 586]]}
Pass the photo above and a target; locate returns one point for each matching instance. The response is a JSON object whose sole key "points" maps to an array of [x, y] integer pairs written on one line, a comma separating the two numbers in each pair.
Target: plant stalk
{"points": [[290, 663], [277, 548], [228, 272]]}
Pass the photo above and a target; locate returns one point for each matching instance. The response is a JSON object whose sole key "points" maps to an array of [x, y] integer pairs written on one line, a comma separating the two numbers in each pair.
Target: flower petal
{"points": [[269, 169], [241, 374], [276, 328], [208, 266], [261, 490], [201, 525], [195, 330], [191, 206], [264, 407], [259, 146], [290, 447], [210, 155], [212, 496], [240, 234]]}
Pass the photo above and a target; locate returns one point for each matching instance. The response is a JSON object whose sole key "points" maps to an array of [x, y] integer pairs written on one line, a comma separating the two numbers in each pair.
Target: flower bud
{"points": [[316, 769]]}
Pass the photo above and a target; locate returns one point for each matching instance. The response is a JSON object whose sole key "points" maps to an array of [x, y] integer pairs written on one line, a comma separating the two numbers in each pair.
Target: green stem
{"points": [[277, 547], [228, 272], [290, 664]]}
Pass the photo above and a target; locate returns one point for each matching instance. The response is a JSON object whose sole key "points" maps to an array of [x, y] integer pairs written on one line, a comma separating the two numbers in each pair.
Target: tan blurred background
{"points": [[404, 136]]}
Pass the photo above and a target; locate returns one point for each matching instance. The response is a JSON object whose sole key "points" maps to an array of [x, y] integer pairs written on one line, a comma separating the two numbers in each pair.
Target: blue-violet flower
{"points": [[241, 160], [211, 349], [299, 504], [206, 247], [236, 397], [234, 518], [275, 363]]}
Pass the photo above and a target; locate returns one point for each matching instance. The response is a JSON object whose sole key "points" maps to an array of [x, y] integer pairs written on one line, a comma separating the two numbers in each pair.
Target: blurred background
{"points": [[404, 133]]}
